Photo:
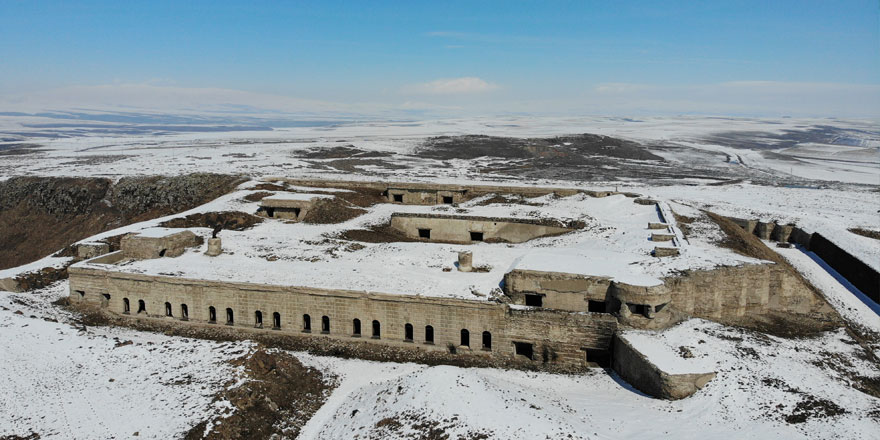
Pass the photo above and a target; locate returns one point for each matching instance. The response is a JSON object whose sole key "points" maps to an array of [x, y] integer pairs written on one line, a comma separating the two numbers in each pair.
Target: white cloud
{"points": [[451, 86]]}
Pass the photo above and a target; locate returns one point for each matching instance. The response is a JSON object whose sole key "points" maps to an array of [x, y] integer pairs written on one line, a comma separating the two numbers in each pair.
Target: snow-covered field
{"points": [[63, 381]]}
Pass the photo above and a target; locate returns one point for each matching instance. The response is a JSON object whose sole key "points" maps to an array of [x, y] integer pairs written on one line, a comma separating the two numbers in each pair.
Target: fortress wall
{"points": [[564, 335], [457, 230], [727, 293]]}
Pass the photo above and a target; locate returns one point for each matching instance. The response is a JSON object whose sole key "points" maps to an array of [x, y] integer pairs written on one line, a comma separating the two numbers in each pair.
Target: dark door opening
{"points": [[184, 312], [599, 357], [534, 300], [425, 233], [276, 321], [142, 307], [356, 327], [212, 314], [126, 307], [307, 324], [447, 200], [270, 212], [465, 338], [429, 334], [325, 325], [523, 349], [376, 330], [398, 198], [162, 252], [597, 306], [168, 309], [258, 319], [476, 236], [230, 318], [408, 333], [487, 341]]}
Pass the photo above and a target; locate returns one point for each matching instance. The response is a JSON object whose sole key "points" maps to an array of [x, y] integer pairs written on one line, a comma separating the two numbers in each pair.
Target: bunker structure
{"points": [[541, 318], [290, 206]]}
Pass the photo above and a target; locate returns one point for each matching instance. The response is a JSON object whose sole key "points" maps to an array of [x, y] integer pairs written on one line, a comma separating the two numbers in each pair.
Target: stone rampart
{"points": [[557, 339]]}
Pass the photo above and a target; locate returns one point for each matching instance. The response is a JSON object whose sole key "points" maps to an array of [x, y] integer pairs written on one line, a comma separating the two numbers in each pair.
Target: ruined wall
{"points": [[635, 368], [424, 196], [559, 338], [141, 247], [865, 278], [457, 229], [724, 293], [563, 291]]}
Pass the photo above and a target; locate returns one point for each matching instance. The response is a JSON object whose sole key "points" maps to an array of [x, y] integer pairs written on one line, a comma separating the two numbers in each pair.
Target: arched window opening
{"points": [[184, 312], [230, 318], [356, 327], [258, 319], [212, 314], [376, 330], [325, 325], [408, 333], [487, 341], [142, 307], [307, 323], [429, 334], [465, 338], [276, 321], [168, 309], [126, 306]]}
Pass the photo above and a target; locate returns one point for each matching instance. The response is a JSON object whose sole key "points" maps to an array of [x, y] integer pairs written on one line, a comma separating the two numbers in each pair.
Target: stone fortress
{"points": [[565, 319]]}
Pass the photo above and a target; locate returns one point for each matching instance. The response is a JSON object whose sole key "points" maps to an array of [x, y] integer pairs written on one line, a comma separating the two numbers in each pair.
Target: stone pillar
{"points": [[465, 261], [764, 230], [215, 247]]}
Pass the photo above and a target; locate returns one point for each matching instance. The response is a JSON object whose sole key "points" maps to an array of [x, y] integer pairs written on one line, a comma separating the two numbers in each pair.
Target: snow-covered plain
{"points": [[55, 376]]}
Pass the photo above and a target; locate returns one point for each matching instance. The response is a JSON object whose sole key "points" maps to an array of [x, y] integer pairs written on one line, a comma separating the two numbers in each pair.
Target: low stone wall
{"points": [[558, 339], [459, 229], [635, 368]]}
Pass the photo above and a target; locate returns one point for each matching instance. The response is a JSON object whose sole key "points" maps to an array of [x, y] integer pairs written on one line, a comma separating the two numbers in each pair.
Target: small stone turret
{"points": [[215, 247], [465, 261]]}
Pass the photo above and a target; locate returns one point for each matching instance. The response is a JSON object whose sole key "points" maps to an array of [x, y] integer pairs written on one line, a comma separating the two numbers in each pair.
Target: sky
{"points": [[803, 58]]}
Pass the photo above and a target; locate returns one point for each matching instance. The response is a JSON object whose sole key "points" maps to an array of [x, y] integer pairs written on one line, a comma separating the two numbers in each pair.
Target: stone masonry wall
{"points": [[559, 338], [457, 230]]}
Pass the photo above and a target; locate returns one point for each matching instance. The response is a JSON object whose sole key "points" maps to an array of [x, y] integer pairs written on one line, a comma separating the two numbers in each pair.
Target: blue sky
{"points": [[735, 57]]}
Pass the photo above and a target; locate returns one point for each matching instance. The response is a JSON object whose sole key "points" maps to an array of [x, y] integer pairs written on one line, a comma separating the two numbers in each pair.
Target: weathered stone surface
{"points": [[635, 368]]}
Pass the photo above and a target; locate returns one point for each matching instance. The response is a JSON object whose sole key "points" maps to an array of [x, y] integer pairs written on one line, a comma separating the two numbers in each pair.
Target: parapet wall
{"points": [[144, 247], [635, 368], [459, 229], [724, 293], [558, 339]]}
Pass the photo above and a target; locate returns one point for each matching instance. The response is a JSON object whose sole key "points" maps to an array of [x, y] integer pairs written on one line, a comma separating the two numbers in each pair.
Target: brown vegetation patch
{"points": [[744, 243], [333, 210], [377, 234], [684, 223], [507, 200], [341, 152], [865, 233], [278, 397], [41, 278], [269, 187], [257, 196], [232, 220]]}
